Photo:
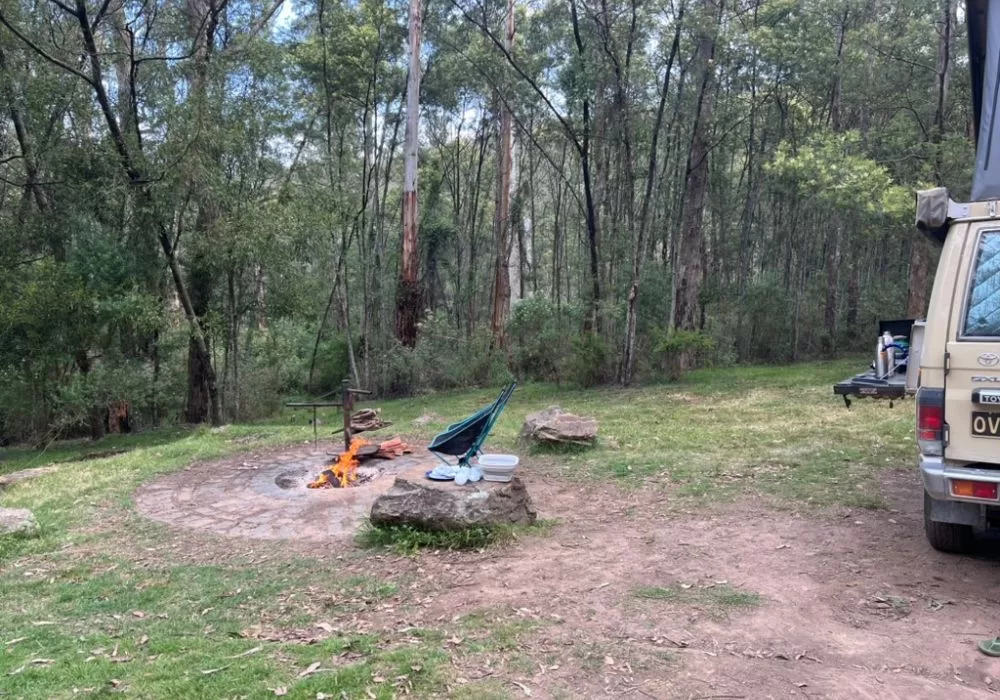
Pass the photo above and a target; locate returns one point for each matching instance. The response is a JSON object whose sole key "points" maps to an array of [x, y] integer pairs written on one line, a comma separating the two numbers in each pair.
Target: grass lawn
{"points": [[104, 602]]}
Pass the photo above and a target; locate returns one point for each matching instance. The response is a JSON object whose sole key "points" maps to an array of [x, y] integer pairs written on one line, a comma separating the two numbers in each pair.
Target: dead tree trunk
{"points": [[409, 296]]}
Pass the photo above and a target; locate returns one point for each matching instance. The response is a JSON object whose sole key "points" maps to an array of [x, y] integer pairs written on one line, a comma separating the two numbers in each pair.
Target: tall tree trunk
{"points": [[202, 21], [409, 297], [690, 267], [627, 367], [502, 222], [831, 251], [834, 228], [590, 204]]}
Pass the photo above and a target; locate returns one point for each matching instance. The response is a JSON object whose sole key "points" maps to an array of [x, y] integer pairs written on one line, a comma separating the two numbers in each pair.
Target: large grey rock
{"points": [[23, 475], [17, 521], [441, 505], [556, 426]]}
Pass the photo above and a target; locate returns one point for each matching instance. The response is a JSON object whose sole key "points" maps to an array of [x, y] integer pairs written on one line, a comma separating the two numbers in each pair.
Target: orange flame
{"points": [[344, 470]]}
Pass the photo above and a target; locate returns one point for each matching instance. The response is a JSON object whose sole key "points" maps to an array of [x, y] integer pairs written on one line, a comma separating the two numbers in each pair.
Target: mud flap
{"points": [[958, 513]]}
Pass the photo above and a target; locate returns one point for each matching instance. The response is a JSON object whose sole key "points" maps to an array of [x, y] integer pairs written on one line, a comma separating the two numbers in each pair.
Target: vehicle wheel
{"points": [[946, 537]]}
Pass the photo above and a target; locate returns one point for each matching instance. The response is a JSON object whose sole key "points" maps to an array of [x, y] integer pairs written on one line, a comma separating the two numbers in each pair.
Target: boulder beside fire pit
{"points": [[441, 505]]}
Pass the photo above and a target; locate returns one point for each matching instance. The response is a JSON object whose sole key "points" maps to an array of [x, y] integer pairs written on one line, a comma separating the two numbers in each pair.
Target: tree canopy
{"points": [[202, 200]]}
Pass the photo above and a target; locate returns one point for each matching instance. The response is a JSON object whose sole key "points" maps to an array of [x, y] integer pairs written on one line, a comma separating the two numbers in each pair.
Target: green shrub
{"points": [[680, 350], [442, 359], [589, 362], [538, 339], [332, 364]]}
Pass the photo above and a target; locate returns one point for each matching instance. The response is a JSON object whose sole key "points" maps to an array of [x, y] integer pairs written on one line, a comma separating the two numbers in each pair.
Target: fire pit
{"points": [[267, 495]]}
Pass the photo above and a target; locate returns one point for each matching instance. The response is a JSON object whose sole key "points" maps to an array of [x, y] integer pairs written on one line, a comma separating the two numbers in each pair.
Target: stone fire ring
{"points": [[264, 495]]}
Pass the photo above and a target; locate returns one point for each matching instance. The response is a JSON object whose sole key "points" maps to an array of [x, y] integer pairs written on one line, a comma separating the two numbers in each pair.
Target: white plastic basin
{"points": [[497, 467], [501, 461]]}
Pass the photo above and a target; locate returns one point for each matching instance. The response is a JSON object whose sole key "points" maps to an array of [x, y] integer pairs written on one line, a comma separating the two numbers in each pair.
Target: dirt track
{"points": [[853, 604]]}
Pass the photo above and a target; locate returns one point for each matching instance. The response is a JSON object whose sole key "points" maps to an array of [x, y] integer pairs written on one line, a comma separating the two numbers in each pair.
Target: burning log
{"points": [[344, 470]]}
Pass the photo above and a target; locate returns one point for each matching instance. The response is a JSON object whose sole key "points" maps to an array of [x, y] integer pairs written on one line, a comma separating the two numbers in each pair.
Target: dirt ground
{"points": [[853, 603]]}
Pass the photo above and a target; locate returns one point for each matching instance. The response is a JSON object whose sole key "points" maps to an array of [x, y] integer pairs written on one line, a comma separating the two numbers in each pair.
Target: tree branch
{"points": [[100, 14], [43, 53], [65, 8], [520, 71], [520, 125]]}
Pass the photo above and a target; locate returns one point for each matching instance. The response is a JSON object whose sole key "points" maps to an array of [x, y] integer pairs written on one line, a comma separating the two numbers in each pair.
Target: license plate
{"points": [[985, 424]]}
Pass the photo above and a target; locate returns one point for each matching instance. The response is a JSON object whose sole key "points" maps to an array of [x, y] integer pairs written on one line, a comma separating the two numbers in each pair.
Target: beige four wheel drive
{"points": [[958, 401]]}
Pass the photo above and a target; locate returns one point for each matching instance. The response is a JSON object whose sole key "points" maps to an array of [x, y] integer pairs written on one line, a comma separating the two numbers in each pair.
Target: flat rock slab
{"points": [[556, 426], [17, 521], [441, 505], [23, 475]]}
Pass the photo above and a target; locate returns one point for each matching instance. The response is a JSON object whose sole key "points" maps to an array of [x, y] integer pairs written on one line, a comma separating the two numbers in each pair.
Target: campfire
{"points": [[343, 473]]}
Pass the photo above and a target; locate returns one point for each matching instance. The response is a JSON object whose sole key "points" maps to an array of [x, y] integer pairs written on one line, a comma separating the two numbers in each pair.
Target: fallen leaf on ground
{"points": [[210, 671], [281, 690], [313, 668], [524, 688], [248, 652]]}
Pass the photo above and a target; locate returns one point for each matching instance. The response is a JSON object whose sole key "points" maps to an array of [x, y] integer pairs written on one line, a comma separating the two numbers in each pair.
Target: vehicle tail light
{"points": [[930, 421], [974, 489]]}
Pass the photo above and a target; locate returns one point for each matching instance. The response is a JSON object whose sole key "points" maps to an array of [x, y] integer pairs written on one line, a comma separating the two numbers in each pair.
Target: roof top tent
{"points": [[983, 18]]}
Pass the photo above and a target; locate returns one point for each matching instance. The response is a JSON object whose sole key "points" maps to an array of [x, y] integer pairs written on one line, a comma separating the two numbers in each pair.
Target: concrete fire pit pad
{"points": [[264, 495]]}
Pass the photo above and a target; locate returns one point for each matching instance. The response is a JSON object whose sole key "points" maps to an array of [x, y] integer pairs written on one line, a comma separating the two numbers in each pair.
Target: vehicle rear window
{"points": [[983, 316]]}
